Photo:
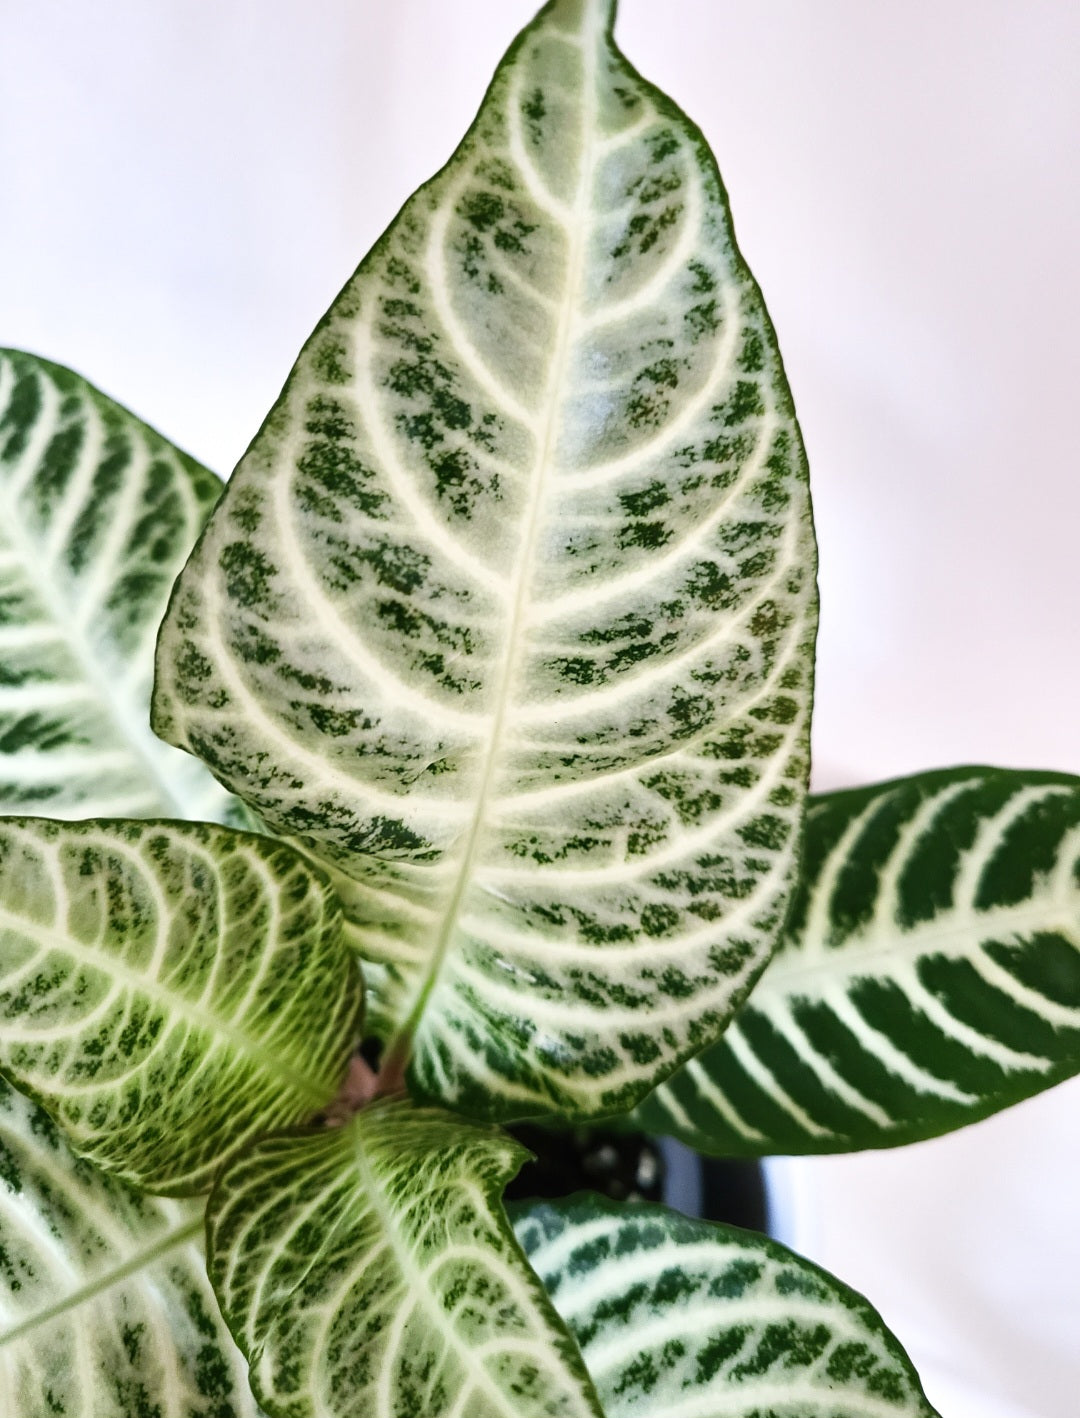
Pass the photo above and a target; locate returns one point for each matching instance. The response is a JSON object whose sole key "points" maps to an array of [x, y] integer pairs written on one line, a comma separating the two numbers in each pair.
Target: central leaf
{"points": [[508, 612]]}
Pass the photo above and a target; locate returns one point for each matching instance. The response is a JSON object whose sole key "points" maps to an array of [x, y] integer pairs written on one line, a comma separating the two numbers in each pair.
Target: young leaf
{"points": [[508, 612], [371, 1270], [105, 1308], [97, 515], [169, 989], [679, 1318], [930, 974]]}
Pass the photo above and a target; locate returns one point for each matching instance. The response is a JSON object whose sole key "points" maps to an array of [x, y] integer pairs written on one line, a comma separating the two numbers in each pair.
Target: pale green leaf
{"points": [[508, 612], [167, 989], [678, 1318], [97, 516], [370, 1270], [930, 974], [105, 1308]]}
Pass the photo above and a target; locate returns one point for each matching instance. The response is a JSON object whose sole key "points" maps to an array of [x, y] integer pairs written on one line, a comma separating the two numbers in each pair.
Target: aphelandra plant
{"points": [[499, 647]]}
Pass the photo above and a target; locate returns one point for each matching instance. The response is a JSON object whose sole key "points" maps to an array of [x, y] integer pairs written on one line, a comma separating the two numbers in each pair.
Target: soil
{"points": [[630, 1167]]}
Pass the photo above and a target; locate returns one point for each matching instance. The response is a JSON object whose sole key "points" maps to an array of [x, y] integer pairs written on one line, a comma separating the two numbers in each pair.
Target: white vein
{"points": [[465, 352], [653, 291], [326, 614], [518, 591], [687, 415], [711, 1095], [431, 527], [539, 193], [753, 1067]]}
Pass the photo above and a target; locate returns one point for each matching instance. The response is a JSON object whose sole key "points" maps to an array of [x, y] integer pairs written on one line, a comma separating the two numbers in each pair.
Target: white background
{"points": [[185, 186]]}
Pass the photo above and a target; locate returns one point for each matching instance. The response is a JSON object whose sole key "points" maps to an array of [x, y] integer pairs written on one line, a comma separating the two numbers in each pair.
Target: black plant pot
{"points": [[633, 1167], [730, 1189]]}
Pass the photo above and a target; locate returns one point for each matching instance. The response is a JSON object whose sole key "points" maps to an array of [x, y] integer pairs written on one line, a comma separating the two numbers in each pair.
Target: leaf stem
{"points": [[390, 1082], [358, 1088]]}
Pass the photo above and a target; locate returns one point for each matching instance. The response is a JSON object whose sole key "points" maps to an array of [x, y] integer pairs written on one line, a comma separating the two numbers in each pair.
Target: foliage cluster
{"points": [[493, 666]]}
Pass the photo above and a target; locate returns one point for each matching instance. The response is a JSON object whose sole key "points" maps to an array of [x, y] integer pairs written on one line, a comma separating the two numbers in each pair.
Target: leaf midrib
{"points": [[415, 1283], [926, 938], [179, 1236], [524, 563]]}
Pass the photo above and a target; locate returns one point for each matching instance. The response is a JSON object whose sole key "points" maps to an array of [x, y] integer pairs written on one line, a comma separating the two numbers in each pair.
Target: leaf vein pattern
{"points": [[541, 462], [931, 968], [691, 1319]]}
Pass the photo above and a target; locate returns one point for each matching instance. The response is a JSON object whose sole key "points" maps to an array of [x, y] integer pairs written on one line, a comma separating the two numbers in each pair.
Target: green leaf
{"points": [[371, 1270], [167, 990], [930, 975], [508, 612], [679, 1318], [97, 515], [105, 1308]]}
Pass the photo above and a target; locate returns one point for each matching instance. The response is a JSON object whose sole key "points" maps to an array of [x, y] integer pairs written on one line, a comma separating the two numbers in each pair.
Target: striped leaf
{"points": [[105, 1308], [169, 989], [679, 1318], [508, 612], [370, 1270], [97, 515], [930, 975]]}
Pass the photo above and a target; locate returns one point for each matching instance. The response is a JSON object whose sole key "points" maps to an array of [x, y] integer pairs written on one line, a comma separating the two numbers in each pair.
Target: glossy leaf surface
{"points": [[105, 1308], [508, 612], [930, 976], [679, 1318], [169, 989], [370, 1270], [97, 515]]}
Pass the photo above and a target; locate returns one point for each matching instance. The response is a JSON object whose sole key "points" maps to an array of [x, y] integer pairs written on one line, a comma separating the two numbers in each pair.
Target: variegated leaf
{"points": [[370, 1270], [679, 1318], [930, 974], [97, 515], [105, 1307], [508, 612], [167, 990]]}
